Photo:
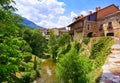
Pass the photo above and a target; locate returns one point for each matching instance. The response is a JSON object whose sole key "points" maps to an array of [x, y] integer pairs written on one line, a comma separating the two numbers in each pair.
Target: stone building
{"points": [[102, 22], [111, 24], [57, 32]]}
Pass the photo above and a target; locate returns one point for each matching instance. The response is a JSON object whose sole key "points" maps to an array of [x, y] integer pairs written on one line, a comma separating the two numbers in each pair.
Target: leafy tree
{"points": [[9, 62], [63, 39], [52, 45], [73, 68], [56, 45], [36, 41], [7, 5], [13, 48]]}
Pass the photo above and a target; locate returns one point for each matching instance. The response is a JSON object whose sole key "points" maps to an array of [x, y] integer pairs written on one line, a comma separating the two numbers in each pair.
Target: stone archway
{"points": [[90, 34]]}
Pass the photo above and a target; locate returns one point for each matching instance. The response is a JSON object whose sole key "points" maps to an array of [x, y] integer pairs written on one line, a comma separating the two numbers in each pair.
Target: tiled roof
{"points": [[103, 9]]}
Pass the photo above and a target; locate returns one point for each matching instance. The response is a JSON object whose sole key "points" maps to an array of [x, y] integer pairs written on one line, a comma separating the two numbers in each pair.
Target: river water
{"points": [[47, 72]]}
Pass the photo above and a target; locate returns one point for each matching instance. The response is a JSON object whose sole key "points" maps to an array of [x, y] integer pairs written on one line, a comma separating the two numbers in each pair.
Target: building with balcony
{"points": [[102, 22]]}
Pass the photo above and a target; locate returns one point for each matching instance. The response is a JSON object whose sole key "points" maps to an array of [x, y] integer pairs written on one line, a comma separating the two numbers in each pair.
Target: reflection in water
{"points": [[47, 72]]}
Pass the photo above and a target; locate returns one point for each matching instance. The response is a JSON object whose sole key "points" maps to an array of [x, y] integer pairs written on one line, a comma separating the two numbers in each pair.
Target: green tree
{"points": [[73, 67], [52, 45], [8, 62], [7, 5], [63, 39], [36, 41]]}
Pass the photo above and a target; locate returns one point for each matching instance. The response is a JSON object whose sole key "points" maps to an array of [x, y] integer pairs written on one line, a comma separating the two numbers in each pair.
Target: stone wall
{"points": [[93, 27], [115, 19]]}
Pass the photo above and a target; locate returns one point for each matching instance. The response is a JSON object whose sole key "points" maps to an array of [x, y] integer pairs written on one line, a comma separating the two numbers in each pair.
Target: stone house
{"points": [[102, 22], [57, 32]]}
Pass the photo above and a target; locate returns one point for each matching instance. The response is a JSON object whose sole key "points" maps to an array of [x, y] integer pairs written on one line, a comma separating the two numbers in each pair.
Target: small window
{"points": [[88, 26], [110, 25], [101, 27]]}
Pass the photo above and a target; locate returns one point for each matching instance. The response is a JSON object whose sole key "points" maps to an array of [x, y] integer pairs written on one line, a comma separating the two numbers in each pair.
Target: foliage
{"points": [[26, 78], [8, 62], [14, 50], [52, 45], [36, 41], [63, 50], [63, 39], [57, 44], [7, 5], [100, 50], [86, 40], [72, 67]]}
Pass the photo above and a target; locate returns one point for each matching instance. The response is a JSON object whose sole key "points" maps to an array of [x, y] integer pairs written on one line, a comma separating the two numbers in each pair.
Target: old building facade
{"points": [[56, 31], [102, 22]]}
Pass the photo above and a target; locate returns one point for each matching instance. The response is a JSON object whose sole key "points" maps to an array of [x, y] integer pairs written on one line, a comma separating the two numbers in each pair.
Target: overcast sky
{"points": [[58, 13]]}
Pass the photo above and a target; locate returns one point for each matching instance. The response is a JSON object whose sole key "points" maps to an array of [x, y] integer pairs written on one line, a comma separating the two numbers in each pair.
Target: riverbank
{"points": [[47, 72]]}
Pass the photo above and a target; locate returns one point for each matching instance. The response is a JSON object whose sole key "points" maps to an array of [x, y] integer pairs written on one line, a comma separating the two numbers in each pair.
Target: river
{"points": [[47, 72]]}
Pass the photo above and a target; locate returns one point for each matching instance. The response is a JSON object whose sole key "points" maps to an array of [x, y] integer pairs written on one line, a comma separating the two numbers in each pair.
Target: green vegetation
{"points": [[56, 43], [86, 40], [19, 60], [21, 49], [73, 66]]}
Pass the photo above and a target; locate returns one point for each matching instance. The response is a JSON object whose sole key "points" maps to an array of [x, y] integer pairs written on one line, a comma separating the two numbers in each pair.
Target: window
{"points": [[88, 26], [110, 25], [101, 27]]}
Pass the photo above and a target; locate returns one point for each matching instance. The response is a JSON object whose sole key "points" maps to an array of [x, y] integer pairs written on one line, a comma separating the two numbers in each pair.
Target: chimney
{"points": [[81, 16], [90, 12], [97, 9]]}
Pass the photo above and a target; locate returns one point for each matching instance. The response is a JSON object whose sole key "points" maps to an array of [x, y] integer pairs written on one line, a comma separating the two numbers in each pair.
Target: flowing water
{"points": [[47, 72]]}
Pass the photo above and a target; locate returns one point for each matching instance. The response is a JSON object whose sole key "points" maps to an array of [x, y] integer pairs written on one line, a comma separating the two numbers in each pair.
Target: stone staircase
{"points": [[111, 69]]}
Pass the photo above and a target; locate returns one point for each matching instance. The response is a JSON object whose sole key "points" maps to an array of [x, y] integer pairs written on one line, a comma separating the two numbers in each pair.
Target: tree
{"points": [[8, 62], [73, 67], [7, 5], [36, 41], [52, 45], [63, 39]]}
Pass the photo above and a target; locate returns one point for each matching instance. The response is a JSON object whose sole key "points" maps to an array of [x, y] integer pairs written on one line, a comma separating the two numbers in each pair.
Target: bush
{"points": [[72, 67], [86, 40], [26, 78]]}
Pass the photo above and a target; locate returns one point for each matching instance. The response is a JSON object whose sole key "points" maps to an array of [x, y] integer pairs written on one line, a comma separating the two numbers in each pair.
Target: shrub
{"points": [[26, 78], [86, 40], [72, 67]]}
